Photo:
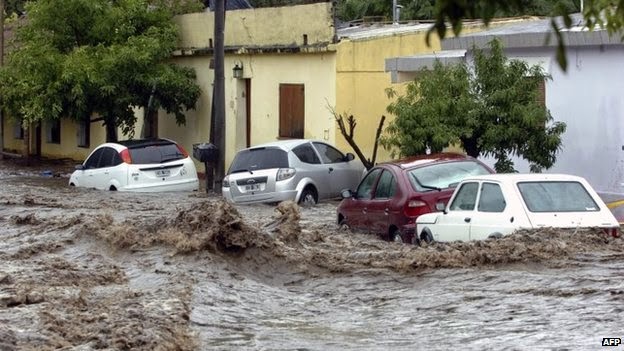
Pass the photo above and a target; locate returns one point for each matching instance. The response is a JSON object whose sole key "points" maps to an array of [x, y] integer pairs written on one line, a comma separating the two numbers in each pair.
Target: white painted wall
{"points": [[589, 98]]}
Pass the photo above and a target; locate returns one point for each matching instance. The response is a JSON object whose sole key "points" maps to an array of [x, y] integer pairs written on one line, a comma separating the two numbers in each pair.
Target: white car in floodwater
{"points": [[494, 205], [143, 165]]}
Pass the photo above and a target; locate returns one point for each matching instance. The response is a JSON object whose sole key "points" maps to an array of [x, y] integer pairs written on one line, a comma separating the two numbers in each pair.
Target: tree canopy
{"points": [[349, 10], [490, 109], [79, 58]]}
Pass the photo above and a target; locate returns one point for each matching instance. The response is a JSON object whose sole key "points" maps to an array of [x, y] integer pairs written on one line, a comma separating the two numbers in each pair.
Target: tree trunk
{"points": [[26, 151], [111, 129], [471, 147]]}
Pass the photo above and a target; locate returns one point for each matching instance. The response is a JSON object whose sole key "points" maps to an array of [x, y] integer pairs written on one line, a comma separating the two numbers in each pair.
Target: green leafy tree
{"points": [[83, 58], [491, 109], [607, 14]]}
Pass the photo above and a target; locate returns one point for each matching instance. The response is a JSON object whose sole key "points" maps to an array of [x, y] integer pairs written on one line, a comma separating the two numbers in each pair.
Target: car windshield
{"points": [[551, 196], [443, 175], [259, 158], [157, 153]]}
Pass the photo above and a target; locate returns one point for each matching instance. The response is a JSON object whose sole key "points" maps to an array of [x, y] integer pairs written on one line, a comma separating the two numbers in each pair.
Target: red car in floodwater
{"points": [[392, 195]]}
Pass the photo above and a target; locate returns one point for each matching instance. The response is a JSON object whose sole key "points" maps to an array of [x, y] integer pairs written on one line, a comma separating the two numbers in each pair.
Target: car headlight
{"points": [[285, 173], [226, 182]]}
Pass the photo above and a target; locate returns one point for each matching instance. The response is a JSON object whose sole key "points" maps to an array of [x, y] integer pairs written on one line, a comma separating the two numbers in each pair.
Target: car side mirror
{"points": [[441, 207], [80, 167], [346, 194], [349, 157]]}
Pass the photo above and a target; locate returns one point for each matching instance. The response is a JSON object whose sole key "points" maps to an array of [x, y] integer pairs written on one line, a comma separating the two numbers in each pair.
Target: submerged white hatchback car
{"points": [[498, 204], [301, 170], [144, 165]]}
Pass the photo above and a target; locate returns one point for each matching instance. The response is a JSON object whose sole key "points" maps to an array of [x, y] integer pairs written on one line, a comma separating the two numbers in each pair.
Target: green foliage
{"points": [[449, 10], [77, 58], [278, 3], [490, 110]]}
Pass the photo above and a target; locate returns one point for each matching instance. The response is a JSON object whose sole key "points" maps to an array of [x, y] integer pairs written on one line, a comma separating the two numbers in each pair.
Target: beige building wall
{"points": [[269, 56], [260, 27], [265, 73]]}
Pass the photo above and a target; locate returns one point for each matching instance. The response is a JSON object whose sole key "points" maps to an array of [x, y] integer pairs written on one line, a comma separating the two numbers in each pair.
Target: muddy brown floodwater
{"points": [[89, 270]]}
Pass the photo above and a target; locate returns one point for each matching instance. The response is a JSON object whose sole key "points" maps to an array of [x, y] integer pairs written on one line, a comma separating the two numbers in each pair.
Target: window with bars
{"points": [[53, 131], [84, 133], [18, 131]]}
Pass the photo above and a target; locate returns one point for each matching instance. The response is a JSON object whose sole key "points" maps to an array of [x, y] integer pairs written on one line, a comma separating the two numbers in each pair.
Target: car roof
{"points": [[286, 145], [525, 177], [421, 160]]}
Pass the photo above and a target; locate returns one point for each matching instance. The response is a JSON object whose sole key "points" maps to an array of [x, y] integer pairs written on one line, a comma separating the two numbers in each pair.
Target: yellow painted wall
{"points": [[260, 27], [11, 144], [361, 82], [68, 148]]}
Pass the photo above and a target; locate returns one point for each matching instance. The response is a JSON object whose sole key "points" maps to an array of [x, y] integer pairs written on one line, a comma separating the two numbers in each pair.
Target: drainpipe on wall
{"points": [[395, 18], [147, 117]]}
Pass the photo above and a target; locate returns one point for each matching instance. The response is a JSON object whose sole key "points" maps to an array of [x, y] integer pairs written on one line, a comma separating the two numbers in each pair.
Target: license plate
{"points": [[163, 173], [252, 187]]}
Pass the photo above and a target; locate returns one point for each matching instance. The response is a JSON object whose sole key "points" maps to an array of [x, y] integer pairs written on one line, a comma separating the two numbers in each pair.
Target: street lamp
{"points": [[237, 71]]}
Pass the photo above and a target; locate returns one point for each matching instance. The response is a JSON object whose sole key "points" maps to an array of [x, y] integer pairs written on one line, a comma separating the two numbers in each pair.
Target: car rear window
{"points": [[443, 175], [551, 196], [158, 153], [259, 158]]}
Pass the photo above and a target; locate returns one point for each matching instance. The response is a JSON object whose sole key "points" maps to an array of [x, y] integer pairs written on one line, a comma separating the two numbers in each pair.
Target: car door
{"points": [[492, 213], [89, 168], [342, 174], [379, 205], [454, 224], [101, 175], [314, 169], [356, 208]]}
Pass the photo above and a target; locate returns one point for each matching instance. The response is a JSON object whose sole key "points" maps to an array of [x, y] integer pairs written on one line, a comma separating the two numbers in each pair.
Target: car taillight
{"points": [[125, 156], [414, 208], [182, 151], [614, 232], [285, 173], [226, 182]]}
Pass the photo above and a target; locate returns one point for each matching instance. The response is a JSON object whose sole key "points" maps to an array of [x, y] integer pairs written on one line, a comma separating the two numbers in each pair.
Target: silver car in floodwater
{"points": [[301, 170]]}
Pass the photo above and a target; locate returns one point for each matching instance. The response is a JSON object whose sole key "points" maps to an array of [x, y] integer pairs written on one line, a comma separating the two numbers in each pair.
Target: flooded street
{"points": [[87, 270]]}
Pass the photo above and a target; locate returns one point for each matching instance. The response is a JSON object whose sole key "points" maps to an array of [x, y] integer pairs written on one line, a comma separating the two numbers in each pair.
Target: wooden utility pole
{"points": [[1, 64], [219, 93]]}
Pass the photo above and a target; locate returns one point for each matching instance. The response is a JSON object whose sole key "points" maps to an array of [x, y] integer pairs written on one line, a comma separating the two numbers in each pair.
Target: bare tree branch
{"points": [[348, 135], [379, 129]]}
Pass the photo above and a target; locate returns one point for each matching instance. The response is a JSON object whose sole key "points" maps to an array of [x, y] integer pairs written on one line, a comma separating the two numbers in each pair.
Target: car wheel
{"points": [[308, 197], [415, 240], [496, 235], [396, 236], [426, 236], [343, 225]]}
